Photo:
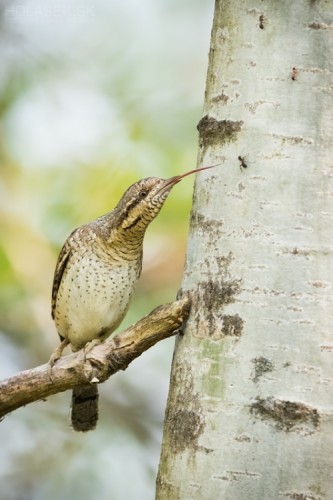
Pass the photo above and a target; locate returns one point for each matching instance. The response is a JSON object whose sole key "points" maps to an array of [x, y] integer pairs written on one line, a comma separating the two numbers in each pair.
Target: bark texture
{"points": [[249, 412]]}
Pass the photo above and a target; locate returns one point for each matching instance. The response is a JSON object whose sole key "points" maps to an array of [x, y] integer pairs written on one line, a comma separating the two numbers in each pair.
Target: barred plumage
{"points": [[95, 278]]}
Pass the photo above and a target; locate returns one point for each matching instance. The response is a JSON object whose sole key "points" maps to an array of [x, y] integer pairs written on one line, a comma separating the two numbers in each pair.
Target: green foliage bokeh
{"points": [[92, 98]]}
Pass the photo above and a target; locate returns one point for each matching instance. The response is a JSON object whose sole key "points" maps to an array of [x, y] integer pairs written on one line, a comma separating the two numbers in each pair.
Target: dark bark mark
{"points": [[326, 348], [199, 220], [217, 132], [187, 426], [295, 495], [243, 438], [216, 295], [183, 422], [217, 289], [299, 251], [232, 325], [289, 139], [212, 296], [261, 365], [220, 98], [237, 475], [223, 263], [285, 414], [318, 26]]}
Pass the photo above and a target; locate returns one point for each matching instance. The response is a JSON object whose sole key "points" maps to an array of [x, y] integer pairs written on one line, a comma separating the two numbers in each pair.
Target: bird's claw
{"points": [[55, 356]]}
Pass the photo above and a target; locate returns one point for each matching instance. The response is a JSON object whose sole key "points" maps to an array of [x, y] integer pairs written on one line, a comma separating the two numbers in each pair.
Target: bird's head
{"points": [[142, 201]]}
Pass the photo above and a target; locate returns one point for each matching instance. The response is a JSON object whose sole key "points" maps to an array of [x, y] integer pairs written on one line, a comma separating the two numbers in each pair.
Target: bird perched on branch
{"points": [[95, 277]]}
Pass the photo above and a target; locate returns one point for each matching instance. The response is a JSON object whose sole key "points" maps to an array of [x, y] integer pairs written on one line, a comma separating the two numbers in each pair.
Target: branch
{"points": [[102, 361]]}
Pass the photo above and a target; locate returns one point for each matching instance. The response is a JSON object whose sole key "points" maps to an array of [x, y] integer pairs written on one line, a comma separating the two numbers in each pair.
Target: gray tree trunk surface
{"points": [[249, 413]]}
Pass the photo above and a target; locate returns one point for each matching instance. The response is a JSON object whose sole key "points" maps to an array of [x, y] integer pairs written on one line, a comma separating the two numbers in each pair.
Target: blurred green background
{"points": [[93, 96]]}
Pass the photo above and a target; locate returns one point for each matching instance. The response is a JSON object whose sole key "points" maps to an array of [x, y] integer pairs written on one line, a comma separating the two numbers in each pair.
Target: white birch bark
{"points": [[249, 413]]}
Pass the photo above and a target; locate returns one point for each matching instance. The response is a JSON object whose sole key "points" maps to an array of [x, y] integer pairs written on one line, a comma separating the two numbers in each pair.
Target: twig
{"points": [[101, 362]]}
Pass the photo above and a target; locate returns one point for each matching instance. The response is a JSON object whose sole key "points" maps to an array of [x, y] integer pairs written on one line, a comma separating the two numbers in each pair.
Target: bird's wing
{"points": [[62, 261]]}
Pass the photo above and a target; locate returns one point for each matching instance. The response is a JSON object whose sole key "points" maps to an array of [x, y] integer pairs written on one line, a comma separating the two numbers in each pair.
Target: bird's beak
{"points": [[169, 183]]}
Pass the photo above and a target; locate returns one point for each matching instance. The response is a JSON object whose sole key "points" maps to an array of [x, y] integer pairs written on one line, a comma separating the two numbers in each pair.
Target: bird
{"points": [[95, 277]]}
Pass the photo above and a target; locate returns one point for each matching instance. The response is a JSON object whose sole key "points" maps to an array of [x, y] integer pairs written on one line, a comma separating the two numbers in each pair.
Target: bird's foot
{"points": [[89, 347], [55, 356]]}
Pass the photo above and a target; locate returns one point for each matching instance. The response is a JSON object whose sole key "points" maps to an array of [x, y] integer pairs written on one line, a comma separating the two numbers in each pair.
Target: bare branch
{"points": [[101, 362]]}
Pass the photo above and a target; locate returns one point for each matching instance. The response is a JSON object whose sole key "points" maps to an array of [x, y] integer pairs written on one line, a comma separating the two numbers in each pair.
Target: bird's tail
{"points": [[84, 414]]}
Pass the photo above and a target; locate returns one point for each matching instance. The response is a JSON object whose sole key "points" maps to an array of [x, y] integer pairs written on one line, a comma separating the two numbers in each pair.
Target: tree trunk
{"points": [[249, 413]]}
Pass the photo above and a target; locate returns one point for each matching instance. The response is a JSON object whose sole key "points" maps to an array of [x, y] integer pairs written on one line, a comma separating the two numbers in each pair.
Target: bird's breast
{"points": [[93, 297]]}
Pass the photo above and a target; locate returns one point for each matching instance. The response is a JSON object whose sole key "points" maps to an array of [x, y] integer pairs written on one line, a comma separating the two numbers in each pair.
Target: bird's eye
{"points": [[143, 193]]}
